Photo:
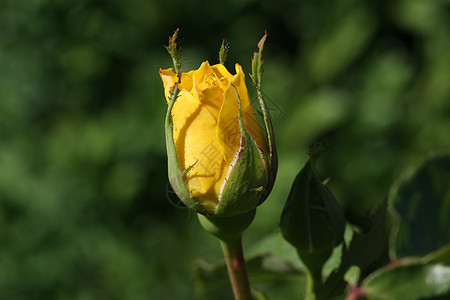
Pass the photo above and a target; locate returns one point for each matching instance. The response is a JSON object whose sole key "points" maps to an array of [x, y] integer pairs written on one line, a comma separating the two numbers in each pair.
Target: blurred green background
{"points": [[85, 211]]}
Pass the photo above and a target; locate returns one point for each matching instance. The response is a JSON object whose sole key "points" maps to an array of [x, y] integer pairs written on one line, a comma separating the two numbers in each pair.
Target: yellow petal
{"points": [[251, 122], [199, 74], [210, 94], [238, 69], [185, 108], [186, 81], [228, 131], [224, 76], [169, 78], [221, 71], [197, 145]]}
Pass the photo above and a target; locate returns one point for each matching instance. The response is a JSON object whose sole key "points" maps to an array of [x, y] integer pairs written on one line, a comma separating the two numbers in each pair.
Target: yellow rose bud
{"points": [[215, 132]]}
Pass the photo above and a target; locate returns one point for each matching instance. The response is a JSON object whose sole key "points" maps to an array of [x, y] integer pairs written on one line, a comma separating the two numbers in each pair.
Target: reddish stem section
{"points": [[237, 272], [355, 292], [237, 263]]}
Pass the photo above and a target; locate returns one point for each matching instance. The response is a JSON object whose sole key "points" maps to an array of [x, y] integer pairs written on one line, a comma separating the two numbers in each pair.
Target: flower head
{"points": [[215, 130]]}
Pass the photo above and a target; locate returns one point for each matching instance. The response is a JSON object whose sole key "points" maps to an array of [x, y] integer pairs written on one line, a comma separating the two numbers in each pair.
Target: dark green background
{"points": [[84, 208]]}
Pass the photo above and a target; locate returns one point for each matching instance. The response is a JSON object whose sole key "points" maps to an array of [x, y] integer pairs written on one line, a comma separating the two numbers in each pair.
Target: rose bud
{"points": [[219, 159], [312, 221]]}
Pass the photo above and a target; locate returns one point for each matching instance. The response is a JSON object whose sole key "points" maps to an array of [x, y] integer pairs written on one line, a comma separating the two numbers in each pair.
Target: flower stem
{"points": [[355, 292], [234, 257]]}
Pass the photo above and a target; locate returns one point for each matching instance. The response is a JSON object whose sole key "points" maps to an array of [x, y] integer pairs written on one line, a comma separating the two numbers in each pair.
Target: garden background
{"points": [[85, 209]]}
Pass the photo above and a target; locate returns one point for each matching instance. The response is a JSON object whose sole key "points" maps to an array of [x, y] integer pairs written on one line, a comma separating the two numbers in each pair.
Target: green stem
{"points": [[355, 293], [229, 231], [314, 263], [234, 257], [309, 285]]}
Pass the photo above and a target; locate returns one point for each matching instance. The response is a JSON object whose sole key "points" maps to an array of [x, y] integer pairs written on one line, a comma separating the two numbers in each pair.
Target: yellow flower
{"points": [[206, 129]]}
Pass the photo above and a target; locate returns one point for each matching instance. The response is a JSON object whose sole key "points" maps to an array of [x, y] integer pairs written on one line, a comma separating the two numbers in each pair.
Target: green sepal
{"points": [[246, 181], [174, 51], [223, 52], [257, 62], [176, 175], [256, 76], [312, 220]]}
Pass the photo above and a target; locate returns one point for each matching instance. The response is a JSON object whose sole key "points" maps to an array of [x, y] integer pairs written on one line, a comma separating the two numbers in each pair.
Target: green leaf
{"points": [[368, 245], [408, 279], [366, 248], [441, 255], [422, 203], [352, 275]]}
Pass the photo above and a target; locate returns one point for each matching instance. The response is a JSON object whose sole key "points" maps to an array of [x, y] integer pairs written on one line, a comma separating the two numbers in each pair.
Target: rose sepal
{"points": [[246, 183], [256, 76], [312, 220], [176, 175]]}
